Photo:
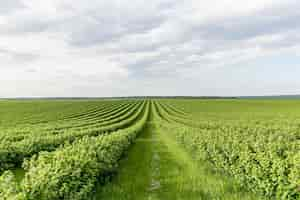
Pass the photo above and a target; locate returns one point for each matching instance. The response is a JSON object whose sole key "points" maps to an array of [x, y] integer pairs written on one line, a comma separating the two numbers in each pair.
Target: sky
{"points": [[96, 48]]}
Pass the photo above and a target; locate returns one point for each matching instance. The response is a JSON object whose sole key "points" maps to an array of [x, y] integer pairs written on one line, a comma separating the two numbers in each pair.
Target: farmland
{"points": [[139, 149]]}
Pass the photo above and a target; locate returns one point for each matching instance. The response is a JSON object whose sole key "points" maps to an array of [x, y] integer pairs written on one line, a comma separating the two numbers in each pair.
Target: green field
{"points": [[144, 149]]}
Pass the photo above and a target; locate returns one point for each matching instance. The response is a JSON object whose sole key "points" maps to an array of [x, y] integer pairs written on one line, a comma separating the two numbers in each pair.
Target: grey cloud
{"points": [[10, 6], [91, 26], [265, 22], [203, 40], [101, 29], [243, 28]]}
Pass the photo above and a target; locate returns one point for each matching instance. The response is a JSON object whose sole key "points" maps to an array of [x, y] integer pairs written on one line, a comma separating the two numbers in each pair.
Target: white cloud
{"points": [[165, 47]]}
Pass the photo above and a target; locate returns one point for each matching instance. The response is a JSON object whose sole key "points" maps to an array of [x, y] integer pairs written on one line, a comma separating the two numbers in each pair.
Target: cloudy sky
{"points": [[157, 47]]}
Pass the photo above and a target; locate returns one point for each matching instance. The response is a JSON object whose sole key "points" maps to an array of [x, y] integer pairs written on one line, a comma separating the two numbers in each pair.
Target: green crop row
{"points": [[72, 171], [264, 160], [20, 113], [61, 125], [12, 154]]}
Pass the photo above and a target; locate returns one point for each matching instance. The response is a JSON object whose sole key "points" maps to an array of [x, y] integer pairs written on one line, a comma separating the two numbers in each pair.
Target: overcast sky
{"points": [[157, 47]]}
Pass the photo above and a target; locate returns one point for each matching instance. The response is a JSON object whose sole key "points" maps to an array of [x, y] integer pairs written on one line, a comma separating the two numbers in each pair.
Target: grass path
{"points": [[158, 168], [134, 178]]}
